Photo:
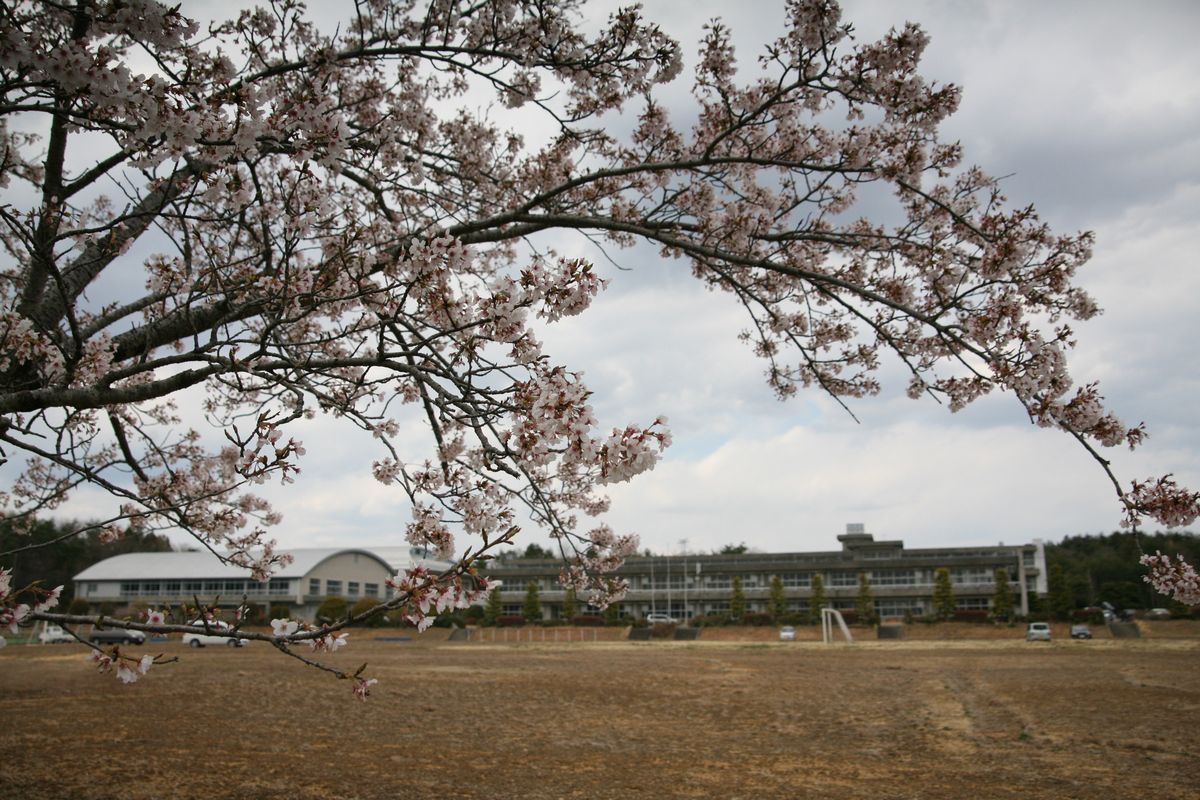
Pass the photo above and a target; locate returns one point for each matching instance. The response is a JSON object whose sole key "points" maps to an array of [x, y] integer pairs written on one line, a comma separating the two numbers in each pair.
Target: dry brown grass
{"points": [[910, 719]]}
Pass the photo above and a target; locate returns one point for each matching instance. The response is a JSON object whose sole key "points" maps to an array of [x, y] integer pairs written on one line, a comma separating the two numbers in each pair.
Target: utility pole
{"points": [[668, 560], [653, 607], [683, 546]]}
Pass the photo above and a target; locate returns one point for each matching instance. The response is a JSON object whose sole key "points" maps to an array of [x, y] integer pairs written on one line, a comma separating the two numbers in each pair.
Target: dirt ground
{"points": [[919, 718]]}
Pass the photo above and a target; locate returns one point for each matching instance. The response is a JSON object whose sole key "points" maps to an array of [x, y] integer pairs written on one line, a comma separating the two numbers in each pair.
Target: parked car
{"points": [[200, 638], [1081, 632], [787, 634], [54, 634], [116, 636], [661, 619], [1038, 632], [1158, 613]]}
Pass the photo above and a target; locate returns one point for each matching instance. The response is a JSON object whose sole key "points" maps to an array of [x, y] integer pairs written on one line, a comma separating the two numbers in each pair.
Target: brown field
{"points": [[947, 716]]}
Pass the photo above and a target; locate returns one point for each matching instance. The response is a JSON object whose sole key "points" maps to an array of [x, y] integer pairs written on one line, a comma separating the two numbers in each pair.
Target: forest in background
{"points": [[57, 564]]}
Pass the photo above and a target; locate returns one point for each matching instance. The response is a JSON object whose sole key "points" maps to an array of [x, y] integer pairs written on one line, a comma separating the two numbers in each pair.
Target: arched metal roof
{"points": [[201, 564]]}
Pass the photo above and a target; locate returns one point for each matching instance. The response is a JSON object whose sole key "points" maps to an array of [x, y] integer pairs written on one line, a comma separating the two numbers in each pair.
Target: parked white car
{"points": [[661, 619], [787, 634], [200, 638], [1037, 632], [54, 634]]}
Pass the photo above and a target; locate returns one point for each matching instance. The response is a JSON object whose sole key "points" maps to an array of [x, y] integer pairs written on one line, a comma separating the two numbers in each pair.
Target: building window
{"points": [[191, 587], [129, 589], [333, 588], [213, 586], [371, 589], [279, 586], [796, 579], [971, 576], [172, 588], [352, 588], [843, 578], [972, 603], [314, 585], [93, 588], [150, 588], [235, 587], [899, 608], [893, 577]]}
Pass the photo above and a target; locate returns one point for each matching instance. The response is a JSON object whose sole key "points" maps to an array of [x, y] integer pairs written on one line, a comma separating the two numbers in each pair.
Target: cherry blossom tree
{"points": [[304, 221]]}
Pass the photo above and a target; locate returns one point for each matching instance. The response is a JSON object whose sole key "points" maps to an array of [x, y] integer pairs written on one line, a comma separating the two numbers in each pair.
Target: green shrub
{"points": [[447, 620], [363, 606], [78, 606], [280, 611], [332, 609]]}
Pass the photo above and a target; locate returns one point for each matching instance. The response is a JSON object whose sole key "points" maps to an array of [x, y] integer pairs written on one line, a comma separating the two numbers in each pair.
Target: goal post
{"points": [[828, 615]]}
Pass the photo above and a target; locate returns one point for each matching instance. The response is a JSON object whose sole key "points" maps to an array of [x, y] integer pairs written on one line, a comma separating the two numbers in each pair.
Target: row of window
{"points": [[964, 576], [333, 588], [277, 587], [891, 607]]}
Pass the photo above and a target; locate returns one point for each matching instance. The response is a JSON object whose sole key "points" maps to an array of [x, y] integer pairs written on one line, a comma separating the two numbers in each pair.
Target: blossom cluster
{"points": [[12, 613], [1174, 578], [268, 454], [428, 595], [126, 669]]}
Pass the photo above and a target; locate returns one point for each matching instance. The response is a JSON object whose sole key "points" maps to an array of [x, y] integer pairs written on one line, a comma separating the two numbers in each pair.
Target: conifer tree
{"points": [[776, 601], [570, 606], [816, 599], [737, 600], [943, 595], [864, 604], [1061, 601], [493, 607], [532, 609], [1002, 599]]}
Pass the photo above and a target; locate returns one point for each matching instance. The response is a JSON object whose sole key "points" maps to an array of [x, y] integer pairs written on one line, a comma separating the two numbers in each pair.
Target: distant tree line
{"points": [[57, 565], [1089, 570]]}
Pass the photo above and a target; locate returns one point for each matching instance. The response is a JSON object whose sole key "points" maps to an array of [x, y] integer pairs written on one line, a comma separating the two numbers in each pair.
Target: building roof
{"points": [[402, 557], [201, 564]]}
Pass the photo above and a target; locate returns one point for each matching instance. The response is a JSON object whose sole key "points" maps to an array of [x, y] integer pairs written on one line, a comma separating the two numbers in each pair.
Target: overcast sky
{"points": [[1092, 110]]}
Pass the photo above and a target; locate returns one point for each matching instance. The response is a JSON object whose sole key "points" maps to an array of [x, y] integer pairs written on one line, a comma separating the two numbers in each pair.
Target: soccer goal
{"points": [[828, 615]]}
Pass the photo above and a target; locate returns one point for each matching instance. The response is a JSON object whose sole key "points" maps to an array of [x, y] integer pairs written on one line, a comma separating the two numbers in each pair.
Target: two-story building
{"points": [[901, 579]]}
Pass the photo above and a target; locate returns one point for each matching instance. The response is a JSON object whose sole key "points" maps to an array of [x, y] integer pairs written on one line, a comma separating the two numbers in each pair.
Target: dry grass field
{"points": [[917, 718]]}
